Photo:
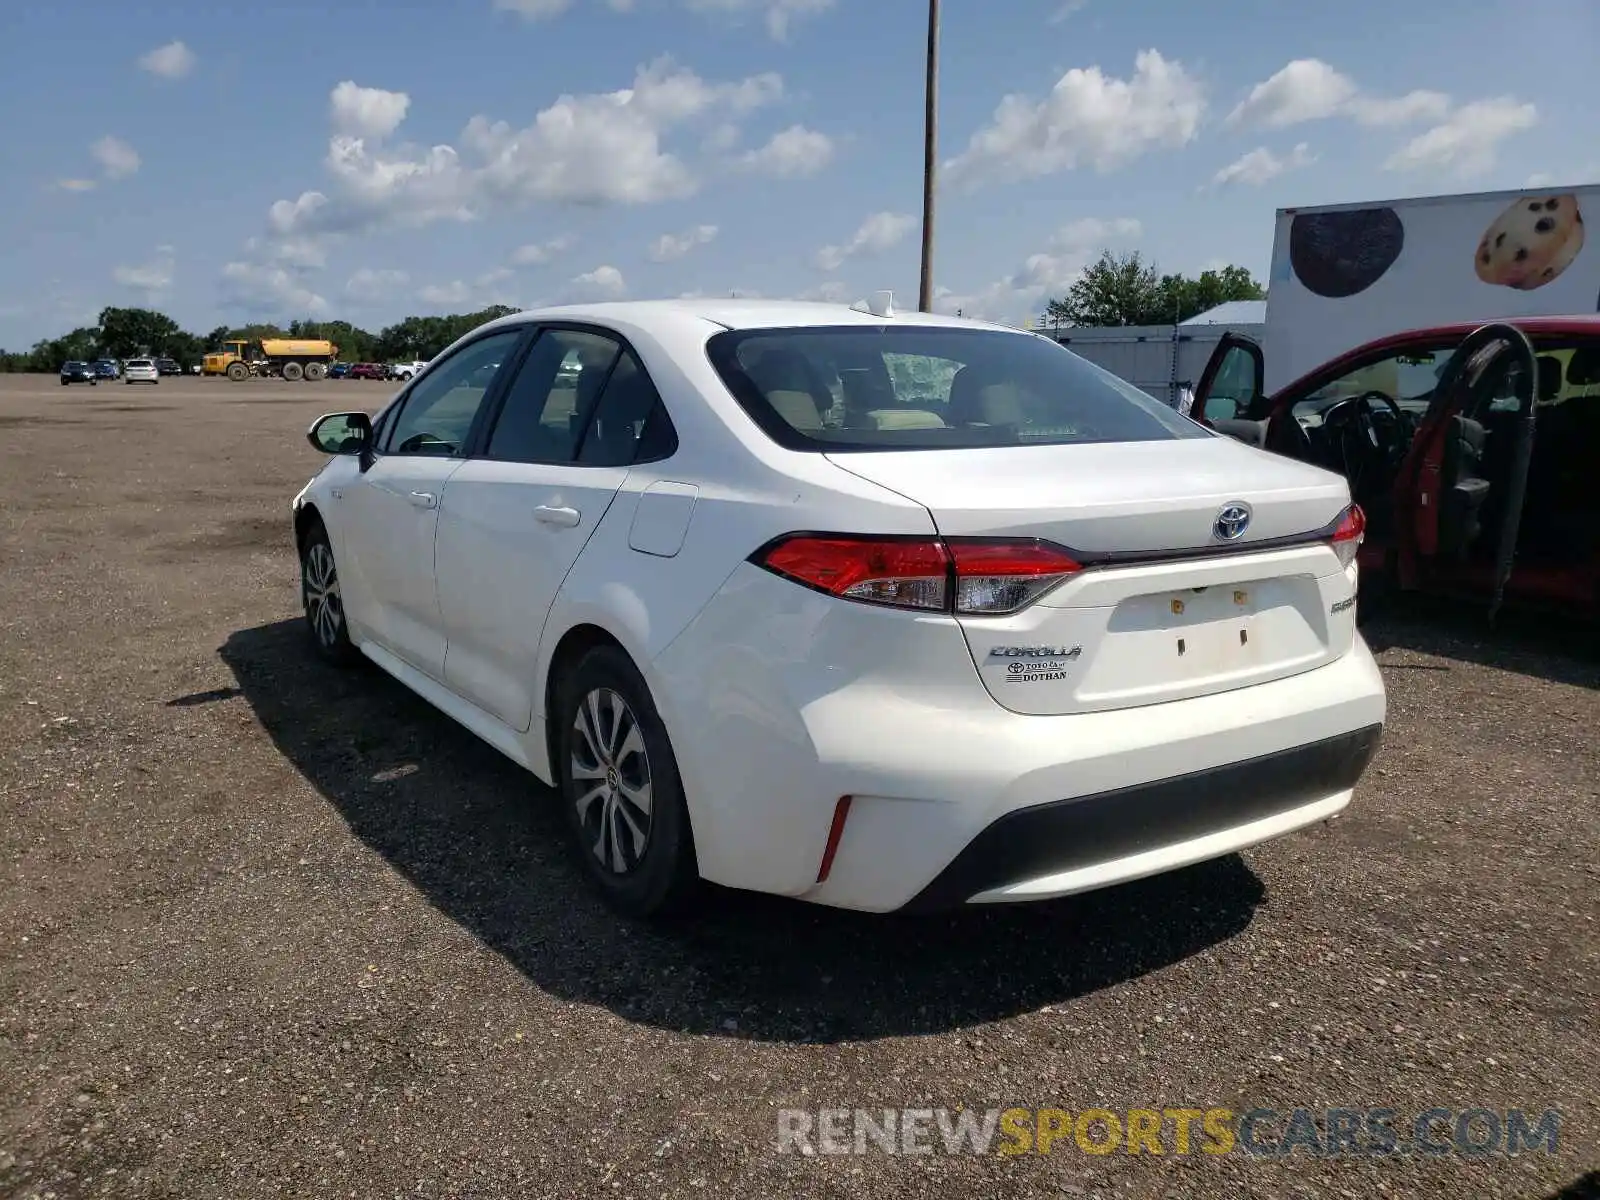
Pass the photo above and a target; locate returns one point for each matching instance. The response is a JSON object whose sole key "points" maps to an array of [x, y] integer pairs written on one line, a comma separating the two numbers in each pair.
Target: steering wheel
{"points": [[1364, 442], [423, 443]]}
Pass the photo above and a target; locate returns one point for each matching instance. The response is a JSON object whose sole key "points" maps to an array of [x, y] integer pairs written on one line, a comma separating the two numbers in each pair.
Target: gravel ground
{"points": [[271, 929]]}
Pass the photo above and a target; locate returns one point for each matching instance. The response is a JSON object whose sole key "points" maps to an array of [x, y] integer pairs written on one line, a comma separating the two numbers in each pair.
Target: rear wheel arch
{"points": [[569, 652]]}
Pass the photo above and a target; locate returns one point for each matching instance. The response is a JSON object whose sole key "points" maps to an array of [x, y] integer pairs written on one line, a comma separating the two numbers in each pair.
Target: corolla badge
{"points": [[1232, 521]]}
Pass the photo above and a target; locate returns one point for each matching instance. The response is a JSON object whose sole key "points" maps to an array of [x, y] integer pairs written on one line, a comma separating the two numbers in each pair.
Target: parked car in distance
{"points": [[107, 368], [1434, 463], [140, 370], [168, 366], [78, 372], [406, 370], [878, 610], [367, 371], [338, 370]]}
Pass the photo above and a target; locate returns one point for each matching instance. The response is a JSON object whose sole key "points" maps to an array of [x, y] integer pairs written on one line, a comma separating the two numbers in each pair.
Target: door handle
{"points": [[566, 518], [424, 499]]}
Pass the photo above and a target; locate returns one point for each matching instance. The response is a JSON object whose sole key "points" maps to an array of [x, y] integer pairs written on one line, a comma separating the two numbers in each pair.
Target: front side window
{"points": [[436, 416], [1234, 387], [930, 387]]}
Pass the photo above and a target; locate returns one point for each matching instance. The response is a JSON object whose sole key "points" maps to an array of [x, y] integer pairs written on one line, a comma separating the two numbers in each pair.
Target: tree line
{"points": [[124, 333], [1126, 290], [1115, 290]]}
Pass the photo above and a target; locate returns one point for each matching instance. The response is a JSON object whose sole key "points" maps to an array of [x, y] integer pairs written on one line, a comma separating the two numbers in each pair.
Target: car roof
{"points": [[1574, 325], [740, 313]]}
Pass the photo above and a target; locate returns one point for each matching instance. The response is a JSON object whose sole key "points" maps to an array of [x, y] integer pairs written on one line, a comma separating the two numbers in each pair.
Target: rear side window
{"points": [[930, 388]]}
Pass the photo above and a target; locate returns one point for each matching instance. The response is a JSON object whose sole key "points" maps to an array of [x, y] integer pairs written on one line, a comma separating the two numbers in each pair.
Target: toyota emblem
{"points": [[1232, 521]]}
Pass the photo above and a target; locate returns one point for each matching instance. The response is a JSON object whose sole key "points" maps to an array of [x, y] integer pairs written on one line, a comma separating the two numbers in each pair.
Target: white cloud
{"points": [[534, 254], [1089, 118], [1070, 8], [371, 283], [366, 112], [603, 281], [462, 294], [670, 246], [791, 154], [876, 234], [152, 278], [1259, 165], [1466, 142], [76, 185], [1309, 89], [534, 10], [172, 61], [1589, 173], [1400, 110], [596, 149], [832, 291], [263, 290], [116, 158], [779, 16], [1045, 274]]}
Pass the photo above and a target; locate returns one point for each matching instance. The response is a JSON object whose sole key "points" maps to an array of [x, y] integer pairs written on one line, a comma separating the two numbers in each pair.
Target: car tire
{"points": [[321, 600], [640, 858]]}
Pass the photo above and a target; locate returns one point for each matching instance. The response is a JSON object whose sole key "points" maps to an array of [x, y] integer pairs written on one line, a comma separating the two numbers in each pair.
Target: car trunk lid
{"points": [[1166, 607]]}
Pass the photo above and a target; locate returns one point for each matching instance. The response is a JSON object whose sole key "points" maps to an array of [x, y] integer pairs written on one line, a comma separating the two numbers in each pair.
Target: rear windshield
{"points": [[140, 362], [930, 388], [74, 366]]}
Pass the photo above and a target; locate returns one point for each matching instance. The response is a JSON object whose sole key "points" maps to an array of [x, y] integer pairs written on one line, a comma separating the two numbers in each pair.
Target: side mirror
{"points": [[341, 433]]}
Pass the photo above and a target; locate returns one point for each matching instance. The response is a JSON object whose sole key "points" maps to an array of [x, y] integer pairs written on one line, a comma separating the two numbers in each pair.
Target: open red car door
{"points": [[1443, 486], [1230, 389]]}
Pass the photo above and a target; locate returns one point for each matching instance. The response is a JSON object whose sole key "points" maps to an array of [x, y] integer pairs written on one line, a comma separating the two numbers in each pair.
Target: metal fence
{"points": [[1161, 360]]}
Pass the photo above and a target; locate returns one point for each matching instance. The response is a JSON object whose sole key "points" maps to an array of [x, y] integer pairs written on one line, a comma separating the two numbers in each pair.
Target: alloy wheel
{"points": [[323, 603], [610, 771]]}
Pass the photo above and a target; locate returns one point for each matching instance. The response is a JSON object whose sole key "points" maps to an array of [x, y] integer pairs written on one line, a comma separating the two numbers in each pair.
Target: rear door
{"points": [[579, 412]]}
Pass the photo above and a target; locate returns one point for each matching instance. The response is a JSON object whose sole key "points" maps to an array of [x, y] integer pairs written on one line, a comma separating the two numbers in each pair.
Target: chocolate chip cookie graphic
{"points": [[1338, 254], [1531, 243]]}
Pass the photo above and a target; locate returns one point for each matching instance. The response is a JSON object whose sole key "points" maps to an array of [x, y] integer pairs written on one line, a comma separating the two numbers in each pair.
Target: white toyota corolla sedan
{"points": [[881, 610]]}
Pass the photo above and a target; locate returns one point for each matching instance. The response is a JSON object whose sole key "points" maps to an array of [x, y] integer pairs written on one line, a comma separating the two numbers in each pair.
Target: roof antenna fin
{"points": [[879, 304]]}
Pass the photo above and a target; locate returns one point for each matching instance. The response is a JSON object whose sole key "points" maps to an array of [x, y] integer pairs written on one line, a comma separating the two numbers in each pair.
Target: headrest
{"points": [[780, 370], [982, 396], [1583, 368]]}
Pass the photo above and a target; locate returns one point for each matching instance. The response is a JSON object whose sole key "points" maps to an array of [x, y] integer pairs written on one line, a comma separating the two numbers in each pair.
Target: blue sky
{"points": [[369, 161]]}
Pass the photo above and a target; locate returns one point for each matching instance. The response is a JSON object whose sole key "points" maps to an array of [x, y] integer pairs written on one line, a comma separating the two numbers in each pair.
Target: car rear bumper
{"points": [[1086, 842], [954, 799]]}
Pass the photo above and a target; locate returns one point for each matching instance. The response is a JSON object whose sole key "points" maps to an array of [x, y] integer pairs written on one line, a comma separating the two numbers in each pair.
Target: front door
{"points": [[1230, 388], [579, 413], [390, 511]]}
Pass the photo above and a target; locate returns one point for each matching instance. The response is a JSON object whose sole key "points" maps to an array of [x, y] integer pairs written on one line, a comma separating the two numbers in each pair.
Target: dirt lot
{"points": [[270, 929]]}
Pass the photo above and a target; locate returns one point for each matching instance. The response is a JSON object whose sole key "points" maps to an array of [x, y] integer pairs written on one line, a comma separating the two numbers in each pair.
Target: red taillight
{"points": [[1348, 533], [903, 572], [977, 577]]}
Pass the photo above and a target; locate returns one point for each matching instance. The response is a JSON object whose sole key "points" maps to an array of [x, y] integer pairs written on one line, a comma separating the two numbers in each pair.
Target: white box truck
{"points": [[1344, 274]]}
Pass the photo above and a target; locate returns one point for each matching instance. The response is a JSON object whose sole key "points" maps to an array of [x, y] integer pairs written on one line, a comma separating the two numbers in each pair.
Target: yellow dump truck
{"points": [[286, 358]]}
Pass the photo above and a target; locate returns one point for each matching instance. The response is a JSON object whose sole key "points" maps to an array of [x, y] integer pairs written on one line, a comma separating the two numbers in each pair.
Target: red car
{"points": [[368, 371], [1473, 483]]}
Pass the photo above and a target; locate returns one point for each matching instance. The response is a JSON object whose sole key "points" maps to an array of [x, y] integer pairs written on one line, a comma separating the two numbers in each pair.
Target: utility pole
{"points": [[930, 156]]}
